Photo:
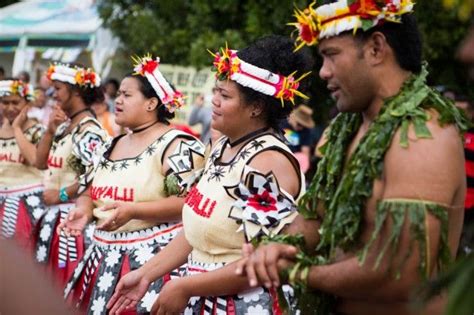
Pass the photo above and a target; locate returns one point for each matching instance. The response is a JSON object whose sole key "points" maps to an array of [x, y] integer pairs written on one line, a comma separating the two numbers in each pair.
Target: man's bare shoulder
{"points": [[429, 168]]}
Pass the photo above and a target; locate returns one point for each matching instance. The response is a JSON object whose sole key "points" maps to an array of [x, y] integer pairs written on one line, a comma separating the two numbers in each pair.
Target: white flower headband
{"points": [[344, 15], [17, 87], [229, 66], [148, 67], [73, 75]]}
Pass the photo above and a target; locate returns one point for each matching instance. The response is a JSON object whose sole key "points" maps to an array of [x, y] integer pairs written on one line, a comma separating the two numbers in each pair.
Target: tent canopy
{"points": [[57, 28], [48, 23]]}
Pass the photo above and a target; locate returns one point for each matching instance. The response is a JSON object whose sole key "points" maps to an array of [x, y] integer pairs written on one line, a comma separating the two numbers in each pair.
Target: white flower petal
{"points": [[98, 306], [149, 299], [45, 233], [105, 281]]}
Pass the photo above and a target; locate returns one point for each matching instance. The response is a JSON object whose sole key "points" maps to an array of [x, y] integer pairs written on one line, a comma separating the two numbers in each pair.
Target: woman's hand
{"points": [[75, 222], [128, 292], [51, 197], [21, 119], [57, 117], [263, 265], [173, 298], [123, 212]]}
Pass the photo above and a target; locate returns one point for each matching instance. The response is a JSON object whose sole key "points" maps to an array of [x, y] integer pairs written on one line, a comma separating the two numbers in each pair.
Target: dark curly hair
{"points": [[89, 95], [163, 115], [276, 54]]}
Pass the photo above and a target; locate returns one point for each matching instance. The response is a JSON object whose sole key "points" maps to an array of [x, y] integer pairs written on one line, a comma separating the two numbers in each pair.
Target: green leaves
{"points": [[181, 31], [343, 187]]}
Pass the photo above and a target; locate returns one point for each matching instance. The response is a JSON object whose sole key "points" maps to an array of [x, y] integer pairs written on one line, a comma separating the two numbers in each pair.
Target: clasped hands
{"points": [[264, 265], [78, 218]]}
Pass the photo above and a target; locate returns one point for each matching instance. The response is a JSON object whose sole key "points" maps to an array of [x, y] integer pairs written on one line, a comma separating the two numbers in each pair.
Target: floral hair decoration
{"points": [[73, 75], [148, 67], [344, 15], [229, 66], [17, 87]]}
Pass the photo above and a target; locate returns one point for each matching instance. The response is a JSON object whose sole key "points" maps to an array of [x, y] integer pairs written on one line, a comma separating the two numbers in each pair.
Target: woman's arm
{"points": [[133, 286], [27, 149], [51, 196], [42, 152], [162, 210], [175, 294]]}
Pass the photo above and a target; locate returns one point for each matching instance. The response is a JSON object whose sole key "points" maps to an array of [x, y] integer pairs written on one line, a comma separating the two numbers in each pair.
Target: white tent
{"points": [[59, 30]]}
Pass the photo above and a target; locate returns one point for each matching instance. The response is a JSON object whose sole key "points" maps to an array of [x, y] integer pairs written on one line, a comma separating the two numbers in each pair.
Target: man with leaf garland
{"points": [[384, 211]]}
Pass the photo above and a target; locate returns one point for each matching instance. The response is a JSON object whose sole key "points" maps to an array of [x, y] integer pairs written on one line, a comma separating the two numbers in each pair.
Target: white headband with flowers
{"points": [[148, 67], [17, 87], [73, 75], [332, 19], [229, 66]]}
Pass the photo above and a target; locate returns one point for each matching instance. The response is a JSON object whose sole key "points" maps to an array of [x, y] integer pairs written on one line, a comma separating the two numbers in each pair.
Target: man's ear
{"points": [[377, 48]]}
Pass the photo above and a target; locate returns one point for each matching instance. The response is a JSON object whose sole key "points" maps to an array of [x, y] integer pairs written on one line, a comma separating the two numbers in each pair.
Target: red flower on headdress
{"points": [[288, 86], [150, 66], [307, 33], [225, 63], [145, 64], [308, 26]]}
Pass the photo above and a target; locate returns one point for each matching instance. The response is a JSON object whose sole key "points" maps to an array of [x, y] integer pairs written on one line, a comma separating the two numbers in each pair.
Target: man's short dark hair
{"points": [[2, 71], [405, 40]]}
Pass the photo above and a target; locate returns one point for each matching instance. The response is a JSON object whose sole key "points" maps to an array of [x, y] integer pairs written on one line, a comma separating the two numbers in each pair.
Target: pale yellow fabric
{"points": [[139, 179], [72, 154], [14, 171], [208, 228]]}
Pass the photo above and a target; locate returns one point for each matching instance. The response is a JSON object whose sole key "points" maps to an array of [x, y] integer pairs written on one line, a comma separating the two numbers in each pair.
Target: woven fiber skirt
{"points": [[111, 256]]}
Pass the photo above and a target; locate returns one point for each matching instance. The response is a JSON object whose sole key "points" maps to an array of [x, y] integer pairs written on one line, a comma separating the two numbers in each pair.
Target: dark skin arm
{"points": [[440, 160], [27, 149], [56, 118], [225, 280], [51, 196]]}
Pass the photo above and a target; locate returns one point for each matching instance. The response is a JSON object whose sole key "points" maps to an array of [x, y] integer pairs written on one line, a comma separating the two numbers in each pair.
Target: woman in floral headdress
{"points": [[248, 189], [65, 152], [21, 185], [135, 195]]}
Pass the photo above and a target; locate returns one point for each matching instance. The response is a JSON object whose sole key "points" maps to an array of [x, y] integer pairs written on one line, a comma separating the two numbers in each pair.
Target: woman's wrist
{"points": [[17, 130], [185, 287], [63, 195]]}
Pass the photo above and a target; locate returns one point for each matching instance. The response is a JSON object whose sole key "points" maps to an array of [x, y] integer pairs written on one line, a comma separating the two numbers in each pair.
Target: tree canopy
{"points": [[181, 31]]}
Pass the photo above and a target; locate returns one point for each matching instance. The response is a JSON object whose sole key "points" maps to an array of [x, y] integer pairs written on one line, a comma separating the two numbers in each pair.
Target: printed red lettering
{"points": [[195, 198], [55, 162], [112, 192]]}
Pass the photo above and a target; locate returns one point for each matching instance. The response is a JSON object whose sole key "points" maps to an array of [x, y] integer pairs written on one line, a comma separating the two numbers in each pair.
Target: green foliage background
{"points": [[181, 31]]}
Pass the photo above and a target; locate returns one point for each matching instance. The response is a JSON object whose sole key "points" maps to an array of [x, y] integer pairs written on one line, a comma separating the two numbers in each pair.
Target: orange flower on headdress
{"points": [[79, 77], [50, 71]]}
